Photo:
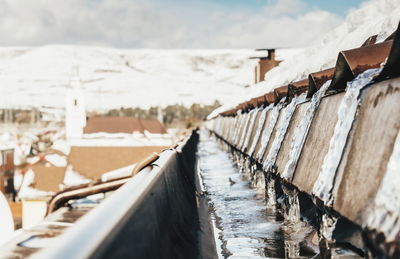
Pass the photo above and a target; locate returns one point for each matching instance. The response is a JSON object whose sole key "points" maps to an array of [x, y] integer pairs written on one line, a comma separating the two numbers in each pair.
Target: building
{"points": [[7, 172], [124, 124], [265, 63], [75, 115], [93, 161]]}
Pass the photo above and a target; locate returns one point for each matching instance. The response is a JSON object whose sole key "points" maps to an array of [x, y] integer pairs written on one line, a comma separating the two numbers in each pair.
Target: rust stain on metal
{"points": [[370, 41], [270, 97], [281, 92], [392, 67], [317, 79], [261, 101], [254, 102], [145, 163], [351, 63], [82, 191], [298, 87]]}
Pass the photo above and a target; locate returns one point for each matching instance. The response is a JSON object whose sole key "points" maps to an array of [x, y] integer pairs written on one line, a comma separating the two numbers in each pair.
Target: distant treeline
{"points": [[172, 115]]}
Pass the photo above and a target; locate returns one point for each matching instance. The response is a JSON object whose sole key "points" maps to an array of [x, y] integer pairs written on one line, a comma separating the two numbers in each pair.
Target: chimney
{"points": [[271, 54]]}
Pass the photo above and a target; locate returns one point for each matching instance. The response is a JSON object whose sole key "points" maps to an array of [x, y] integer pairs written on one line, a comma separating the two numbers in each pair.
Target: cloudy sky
{"points": [[170, 23]]}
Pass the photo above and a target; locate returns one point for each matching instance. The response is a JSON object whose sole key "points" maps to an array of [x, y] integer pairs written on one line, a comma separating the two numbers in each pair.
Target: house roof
{"points": [[48, 178], [93, 161], [123, 124], [113, 125], [153, 126]]}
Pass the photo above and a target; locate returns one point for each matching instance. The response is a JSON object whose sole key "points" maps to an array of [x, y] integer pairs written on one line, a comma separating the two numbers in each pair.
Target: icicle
{"points": [[292, 249], [384, 216], [271, 194], [346, 114], [292, 211], [327, 226], [260, 125], [281, 132], [265, 137], [301, 132]]}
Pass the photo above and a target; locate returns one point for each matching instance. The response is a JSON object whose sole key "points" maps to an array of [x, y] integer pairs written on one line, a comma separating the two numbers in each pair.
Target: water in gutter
{"points": [[301, 132], [346, 113], [246, 228], [281, 132]]}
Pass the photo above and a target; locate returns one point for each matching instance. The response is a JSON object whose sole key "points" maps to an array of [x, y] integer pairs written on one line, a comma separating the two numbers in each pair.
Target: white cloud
{"points": [[135, 23]]}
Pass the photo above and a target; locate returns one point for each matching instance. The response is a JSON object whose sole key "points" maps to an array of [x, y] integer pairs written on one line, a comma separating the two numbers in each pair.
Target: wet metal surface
{"points": [[245, 227], [351, 63]]}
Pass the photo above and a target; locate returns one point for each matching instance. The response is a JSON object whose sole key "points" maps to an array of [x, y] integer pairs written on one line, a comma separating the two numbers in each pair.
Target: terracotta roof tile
{"points": [[94, 161], [48, 178], [115, 124]]}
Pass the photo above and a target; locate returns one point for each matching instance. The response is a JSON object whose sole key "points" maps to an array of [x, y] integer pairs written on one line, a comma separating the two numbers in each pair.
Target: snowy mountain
{"points": [[112, 78]]}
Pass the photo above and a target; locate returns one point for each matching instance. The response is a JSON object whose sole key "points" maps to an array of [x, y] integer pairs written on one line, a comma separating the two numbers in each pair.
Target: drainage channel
{"points": [[246, 226]]}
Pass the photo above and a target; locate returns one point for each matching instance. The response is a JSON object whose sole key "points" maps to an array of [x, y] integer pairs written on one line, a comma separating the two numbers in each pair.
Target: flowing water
{"points": [[246, 226]]}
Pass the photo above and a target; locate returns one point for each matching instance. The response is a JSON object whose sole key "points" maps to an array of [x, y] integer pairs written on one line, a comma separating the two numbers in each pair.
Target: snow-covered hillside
{"points": [[117, 77], [112, 78]]}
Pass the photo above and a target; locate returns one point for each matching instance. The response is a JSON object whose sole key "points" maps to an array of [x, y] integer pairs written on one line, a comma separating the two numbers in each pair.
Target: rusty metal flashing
{"points": [[91, 188], [370, 41], [317, 79], [392, 67], [148, 161], [351, 63], [83, 191], [261, 101], [270, 97], [250, 105], [298, 87], [281, 92], [259, 57], [254, 102]]}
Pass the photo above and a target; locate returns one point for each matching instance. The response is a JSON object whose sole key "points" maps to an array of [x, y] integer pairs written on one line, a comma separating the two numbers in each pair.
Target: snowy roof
{"points": [[123, 124], [48, 178], [93, 161]]}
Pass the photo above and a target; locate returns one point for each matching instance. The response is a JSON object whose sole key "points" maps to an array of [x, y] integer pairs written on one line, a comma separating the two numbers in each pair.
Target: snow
{"points": [[73, 178], [6, 219], [56, 160], [62, 146], [281, 131], [112, 78], [346, 114], [386, 206], [259, 128], [376, 17], [118, 173], [123, 139], [301, 132], [266, 133], [27, 192]]}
